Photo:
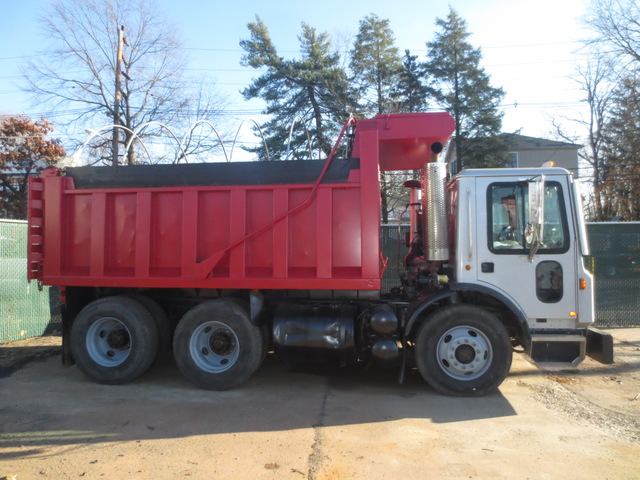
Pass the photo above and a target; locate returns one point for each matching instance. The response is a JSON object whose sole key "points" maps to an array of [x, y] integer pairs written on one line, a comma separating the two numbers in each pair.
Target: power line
{"points": [[526, 45], [259, 111], [21, 57]]}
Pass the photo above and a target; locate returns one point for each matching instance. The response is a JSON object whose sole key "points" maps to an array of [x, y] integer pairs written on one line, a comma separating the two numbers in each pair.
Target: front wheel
{"points": [[463, 350], [216, 346]]}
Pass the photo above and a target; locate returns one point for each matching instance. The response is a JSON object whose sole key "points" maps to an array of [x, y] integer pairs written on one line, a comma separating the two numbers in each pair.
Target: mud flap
{"points": [[600, 345]]}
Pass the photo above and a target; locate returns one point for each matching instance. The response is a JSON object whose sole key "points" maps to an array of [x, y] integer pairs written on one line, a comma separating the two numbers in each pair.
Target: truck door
{"points": [[538, 275]]}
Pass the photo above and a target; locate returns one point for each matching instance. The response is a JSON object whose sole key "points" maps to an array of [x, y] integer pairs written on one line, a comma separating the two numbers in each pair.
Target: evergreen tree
{"points": [[621, 173], [311, 91], [376, 65], [410, 94], [459, 84]]}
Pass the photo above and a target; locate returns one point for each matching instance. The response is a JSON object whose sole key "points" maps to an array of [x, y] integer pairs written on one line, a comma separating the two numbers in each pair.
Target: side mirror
{"points": [[534, 229], [536, 201]]}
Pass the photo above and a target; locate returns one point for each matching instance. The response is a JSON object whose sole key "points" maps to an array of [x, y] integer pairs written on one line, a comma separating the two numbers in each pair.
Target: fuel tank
{"points": [[311, 333]]}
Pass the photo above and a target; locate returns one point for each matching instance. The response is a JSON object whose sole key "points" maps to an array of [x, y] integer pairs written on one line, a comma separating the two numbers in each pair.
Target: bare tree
{"points": [[82, 73], [622, 133], [617, 25], [597, 89], [596, 84], [612, 94]]}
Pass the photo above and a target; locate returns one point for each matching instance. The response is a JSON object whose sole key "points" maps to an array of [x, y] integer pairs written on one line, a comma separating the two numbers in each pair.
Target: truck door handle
{"points": [[487, 267]]}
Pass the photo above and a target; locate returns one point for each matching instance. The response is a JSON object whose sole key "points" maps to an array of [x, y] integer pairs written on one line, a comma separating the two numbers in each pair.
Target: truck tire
{"points": [[216, 346], [265, 331], [114, 340], [463, 350], [161, 320]]}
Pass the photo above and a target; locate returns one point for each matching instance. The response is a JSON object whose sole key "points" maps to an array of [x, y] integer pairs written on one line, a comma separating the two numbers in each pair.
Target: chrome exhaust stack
{"points": [[434, 228]]}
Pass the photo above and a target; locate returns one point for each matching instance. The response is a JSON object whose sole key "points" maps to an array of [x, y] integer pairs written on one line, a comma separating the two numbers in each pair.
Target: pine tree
{"points": [[459, 84], [311, 91], [376, 65], [410, 94]]}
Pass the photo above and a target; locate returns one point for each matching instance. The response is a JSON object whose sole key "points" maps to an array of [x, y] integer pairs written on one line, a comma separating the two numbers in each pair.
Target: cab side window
{"points": [[508, 222], [549, 284], [509, 219], [554, 234]]}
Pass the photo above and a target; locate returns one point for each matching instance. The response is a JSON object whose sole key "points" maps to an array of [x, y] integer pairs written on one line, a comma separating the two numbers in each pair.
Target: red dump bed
{"points": [[182, 226]]}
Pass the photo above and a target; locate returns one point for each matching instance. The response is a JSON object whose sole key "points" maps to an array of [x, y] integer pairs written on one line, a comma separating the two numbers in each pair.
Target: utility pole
{"points": [[116, 104]]}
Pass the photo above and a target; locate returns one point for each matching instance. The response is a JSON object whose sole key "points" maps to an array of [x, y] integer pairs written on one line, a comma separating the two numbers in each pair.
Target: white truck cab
{"points": [[519, 234]]}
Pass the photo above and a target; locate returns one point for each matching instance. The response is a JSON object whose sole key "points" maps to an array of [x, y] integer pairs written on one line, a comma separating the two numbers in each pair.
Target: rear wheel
{"points": [[463, 350], [114, 340], [216, 346], [162, 323]]}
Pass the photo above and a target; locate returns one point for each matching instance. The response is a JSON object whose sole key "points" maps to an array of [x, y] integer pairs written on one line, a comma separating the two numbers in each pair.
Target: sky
{"points": [[530, 48]]}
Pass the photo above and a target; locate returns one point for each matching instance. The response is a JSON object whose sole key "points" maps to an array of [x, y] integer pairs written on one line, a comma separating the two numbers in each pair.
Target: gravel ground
{"points": [[605, 396], [566, 402]]}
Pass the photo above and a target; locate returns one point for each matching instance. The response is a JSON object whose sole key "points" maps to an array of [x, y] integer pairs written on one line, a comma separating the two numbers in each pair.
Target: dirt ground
{"points": [[320, 424]]}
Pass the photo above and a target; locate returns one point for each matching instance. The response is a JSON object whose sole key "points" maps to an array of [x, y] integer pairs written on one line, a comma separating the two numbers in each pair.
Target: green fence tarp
{"points": [[615, 250], [25, 310]]}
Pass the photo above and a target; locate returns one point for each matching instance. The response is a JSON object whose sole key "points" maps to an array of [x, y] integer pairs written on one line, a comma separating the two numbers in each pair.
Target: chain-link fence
{"points": [[615, 249], [25, 310], [392, 246], [615, 261]]}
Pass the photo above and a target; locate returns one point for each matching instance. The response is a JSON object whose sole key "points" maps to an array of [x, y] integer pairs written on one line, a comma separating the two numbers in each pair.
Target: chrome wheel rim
{"points": [[108, 342], [214, 347], [464, 353]]}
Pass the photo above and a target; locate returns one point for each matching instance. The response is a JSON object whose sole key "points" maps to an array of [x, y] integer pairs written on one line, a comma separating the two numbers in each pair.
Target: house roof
{"points": [[523, 142]]}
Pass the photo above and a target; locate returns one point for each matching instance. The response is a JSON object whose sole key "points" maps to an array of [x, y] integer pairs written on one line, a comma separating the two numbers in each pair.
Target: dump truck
{"points": [[224, 263]]}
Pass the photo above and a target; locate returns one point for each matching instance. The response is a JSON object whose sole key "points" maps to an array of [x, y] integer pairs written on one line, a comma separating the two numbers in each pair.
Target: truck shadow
{"points": [[15, 355], [45, 404]]}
